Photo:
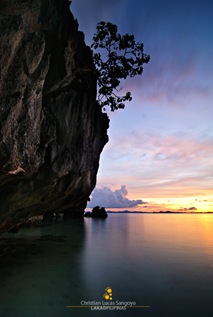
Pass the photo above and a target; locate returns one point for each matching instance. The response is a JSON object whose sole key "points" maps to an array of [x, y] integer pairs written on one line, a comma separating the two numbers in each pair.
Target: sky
{"points": [[160, 153]]}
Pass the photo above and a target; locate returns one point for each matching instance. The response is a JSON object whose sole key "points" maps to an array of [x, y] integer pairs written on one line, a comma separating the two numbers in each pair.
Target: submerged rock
{"points": [[52, 130]]}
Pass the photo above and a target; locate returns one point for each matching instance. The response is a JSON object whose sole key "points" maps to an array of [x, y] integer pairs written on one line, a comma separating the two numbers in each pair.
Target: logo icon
{"points": [[108, 293]]}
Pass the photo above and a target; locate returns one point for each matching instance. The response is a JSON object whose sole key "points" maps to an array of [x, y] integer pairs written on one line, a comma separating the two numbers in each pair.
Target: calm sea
{"points": [[161, 264]]}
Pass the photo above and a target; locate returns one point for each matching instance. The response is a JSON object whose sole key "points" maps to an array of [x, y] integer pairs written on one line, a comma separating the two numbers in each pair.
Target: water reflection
{"points": [[165, 261], [40, 274]]}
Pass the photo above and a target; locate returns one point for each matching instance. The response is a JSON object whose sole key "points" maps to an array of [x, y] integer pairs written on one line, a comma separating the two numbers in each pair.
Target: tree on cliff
{"points": [[117, 58]]}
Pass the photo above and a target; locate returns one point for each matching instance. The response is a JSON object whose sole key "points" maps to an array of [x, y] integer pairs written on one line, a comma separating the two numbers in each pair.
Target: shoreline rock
{"points": [[97, 212]]}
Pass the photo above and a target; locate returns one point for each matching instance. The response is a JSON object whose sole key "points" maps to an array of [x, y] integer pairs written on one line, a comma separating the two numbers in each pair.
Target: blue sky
{"points": [[161, 144]]}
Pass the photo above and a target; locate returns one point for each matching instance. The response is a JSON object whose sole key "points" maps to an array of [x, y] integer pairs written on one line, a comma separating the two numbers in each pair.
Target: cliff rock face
{"points": [[52, 130]]}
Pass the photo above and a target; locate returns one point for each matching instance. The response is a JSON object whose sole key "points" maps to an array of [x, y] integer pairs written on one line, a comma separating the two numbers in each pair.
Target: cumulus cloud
{"points": [[112, 199]]}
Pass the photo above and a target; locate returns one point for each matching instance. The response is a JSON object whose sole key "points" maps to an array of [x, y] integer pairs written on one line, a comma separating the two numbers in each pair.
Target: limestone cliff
{"points": [[52, 131]]}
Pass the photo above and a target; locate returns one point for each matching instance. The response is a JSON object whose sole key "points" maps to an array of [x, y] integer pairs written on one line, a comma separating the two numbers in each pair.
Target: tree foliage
{"points": [[116, 58]]}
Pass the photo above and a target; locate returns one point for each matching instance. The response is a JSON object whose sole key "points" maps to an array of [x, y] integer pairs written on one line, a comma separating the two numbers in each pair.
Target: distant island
{"points": [[158, 212]]}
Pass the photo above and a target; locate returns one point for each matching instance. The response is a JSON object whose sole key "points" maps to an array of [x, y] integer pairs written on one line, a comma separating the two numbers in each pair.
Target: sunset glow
{"points": [[161, 145]]}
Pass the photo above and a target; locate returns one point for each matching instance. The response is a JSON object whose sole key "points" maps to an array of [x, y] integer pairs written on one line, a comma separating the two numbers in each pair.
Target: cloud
{"points": [[151, 159], [112, 199], [191, 208]]}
